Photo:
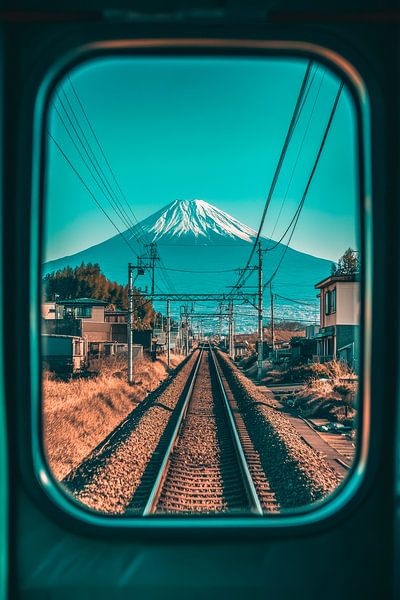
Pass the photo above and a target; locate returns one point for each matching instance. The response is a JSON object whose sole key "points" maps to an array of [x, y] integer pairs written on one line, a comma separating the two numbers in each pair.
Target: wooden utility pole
{"points": [[260, 315], [272, 319], [168, 335], [130, 323]]}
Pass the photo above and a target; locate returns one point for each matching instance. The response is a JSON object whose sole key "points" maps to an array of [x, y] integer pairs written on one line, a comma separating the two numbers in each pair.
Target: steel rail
{"points": [[254, 501], [152, 501]]}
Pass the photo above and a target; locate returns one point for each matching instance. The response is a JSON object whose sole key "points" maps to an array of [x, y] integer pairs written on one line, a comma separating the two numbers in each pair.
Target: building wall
{"points": [[346, 334], [119, 332], [96, 332], [48, 310], [97, 315], [348, 303], [62, 326], [327, 320]]}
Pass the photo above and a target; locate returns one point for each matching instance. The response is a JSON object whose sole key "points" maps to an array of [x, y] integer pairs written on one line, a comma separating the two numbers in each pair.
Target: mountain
{"points": [[195, 221], [200, 247]]}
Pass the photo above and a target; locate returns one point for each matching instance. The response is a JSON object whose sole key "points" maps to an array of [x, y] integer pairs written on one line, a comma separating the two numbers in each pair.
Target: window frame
{"points": [[350, 492], [83, 309], [333, 301]]}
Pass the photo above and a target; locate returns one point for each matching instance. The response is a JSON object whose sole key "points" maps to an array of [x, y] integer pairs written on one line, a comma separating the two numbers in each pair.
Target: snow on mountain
{"points": [[196, 218]]}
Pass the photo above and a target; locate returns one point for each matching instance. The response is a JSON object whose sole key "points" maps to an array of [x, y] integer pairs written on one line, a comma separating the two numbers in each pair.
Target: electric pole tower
{"points": [[130, 323], [260, 314], [153, 256], [231, 330], [187, 329], [168, 335], [272, 319]]}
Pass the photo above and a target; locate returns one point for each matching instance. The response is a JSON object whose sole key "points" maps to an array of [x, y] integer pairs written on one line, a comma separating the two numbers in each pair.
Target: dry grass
{"points": [[333, 397], [79, 414]]}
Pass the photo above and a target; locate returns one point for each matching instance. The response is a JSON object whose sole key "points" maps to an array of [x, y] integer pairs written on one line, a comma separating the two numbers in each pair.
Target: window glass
{"points": [[202, 252], [83, 312]]}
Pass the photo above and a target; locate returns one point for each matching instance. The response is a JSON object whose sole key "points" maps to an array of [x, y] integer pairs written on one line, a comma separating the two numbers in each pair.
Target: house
{"points": [[338, 337], [312, 331], [115, 316], [51, 310], [303, 348], [241, 349], [84, 317]]}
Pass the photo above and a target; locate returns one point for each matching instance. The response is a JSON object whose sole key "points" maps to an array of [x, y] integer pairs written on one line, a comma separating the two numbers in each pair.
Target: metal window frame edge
{"points": [[318, 514]]}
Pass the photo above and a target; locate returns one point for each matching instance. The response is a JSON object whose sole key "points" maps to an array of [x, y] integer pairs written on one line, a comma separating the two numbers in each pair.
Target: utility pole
{"points": [[168, 335], [260, 314], [130, 323], [180, 332], [231, 331], [187, 329], [272, 319], [153, 257]]}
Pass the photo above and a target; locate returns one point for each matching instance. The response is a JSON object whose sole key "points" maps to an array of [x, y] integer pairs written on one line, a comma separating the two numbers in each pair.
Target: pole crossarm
{"points": [[184, 297], [212, 315]]}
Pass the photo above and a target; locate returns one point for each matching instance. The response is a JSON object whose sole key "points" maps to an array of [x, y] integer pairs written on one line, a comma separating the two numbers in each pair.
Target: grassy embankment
{"points": [[79, 414], [329, 391]]}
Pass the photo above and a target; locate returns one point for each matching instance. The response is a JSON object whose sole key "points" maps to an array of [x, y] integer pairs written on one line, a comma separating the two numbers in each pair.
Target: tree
{"points": [[348, 264], [87, 281]]}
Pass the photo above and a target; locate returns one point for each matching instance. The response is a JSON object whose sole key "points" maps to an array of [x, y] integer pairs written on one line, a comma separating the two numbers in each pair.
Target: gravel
{"points": [[194, 481], [113, 478], [298, 474]]}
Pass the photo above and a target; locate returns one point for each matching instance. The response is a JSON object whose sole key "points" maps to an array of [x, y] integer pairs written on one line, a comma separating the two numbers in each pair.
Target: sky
{"points": [[207, 128]]}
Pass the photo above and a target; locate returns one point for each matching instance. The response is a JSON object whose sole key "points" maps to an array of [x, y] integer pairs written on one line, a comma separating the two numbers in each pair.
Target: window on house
{"points": [[327, 303], [333, 301], [84, 312], [156, 175]]}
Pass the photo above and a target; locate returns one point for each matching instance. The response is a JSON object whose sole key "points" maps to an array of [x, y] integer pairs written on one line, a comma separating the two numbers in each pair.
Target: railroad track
{"points": [[205, 462]]}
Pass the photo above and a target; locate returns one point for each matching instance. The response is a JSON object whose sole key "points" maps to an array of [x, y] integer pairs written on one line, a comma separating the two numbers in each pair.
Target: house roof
{"points": [[82, 302], [336, 278]]}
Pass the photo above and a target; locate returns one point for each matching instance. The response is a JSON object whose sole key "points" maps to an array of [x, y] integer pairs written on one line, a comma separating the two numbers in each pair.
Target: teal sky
{"points": [[211, 129]]}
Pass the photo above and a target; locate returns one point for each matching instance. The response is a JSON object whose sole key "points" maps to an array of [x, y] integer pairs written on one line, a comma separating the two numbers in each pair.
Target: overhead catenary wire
{"points": [[295, 301], [322, 145], [297, 109], [273, 246]]}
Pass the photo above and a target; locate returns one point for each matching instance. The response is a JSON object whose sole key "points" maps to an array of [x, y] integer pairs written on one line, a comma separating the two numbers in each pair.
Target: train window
{"points": [[201, 249]]}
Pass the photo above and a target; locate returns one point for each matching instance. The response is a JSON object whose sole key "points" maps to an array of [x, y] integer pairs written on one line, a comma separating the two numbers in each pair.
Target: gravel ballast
{"points": [[298, 474], [107, 480]]}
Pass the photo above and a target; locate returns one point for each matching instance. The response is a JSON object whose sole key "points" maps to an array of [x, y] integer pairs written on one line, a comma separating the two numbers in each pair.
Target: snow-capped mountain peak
{"points": [[195, 218]]}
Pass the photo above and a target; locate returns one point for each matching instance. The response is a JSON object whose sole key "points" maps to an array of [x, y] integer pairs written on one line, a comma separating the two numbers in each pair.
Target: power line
{"points": [[117, 205], [107, 197], [296, 301], [328, 126], [102, 152], [294, 169], [194, 271], [89, 190], [297, 109], [105, 186]]}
